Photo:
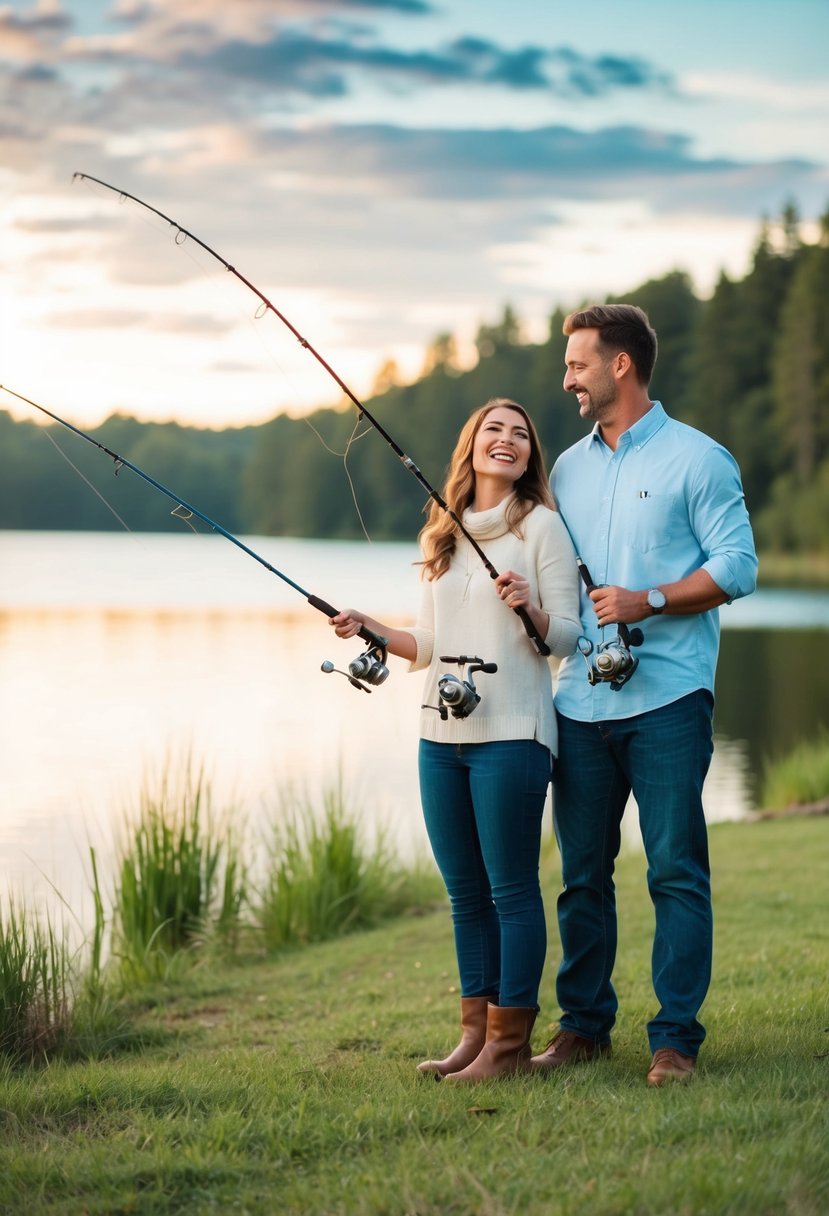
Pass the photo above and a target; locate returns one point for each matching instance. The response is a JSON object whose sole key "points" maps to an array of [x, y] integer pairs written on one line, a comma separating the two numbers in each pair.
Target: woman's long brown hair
{"points": [[439, 534]]}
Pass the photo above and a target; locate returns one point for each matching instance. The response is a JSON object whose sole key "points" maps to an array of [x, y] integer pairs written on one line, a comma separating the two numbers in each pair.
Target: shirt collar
{"points": [[641, 431]]}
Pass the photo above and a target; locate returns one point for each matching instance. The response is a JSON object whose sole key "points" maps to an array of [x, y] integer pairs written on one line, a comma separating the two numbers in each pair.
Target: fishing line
{"points": [[370, 666], [353, 437], [183, 234], [152, 221], [43, 431]]}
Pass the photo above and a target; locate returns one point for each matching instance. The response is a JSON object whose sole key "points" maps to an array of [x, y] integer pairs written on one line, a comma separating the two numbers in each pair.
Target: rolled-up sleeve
{"points": [[720, 521]]}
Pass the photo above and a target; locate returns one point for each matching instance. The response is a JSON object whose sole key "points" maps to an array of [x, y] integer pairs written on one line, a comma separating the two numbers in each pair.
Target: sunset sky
{"points": [[383, 170]]}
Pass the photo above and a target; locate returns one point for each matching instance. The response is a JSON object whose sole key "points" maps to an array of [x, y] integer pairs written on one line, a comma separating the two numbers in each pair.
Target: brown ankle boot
{"points": [[473, 1037], [507, 1047], [567, 1047]]}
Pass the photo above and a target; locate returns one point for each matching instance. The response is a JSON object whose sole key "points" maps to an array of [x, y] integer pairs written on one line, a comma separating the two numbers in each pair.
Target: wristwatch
{"points": [[656, 601]]}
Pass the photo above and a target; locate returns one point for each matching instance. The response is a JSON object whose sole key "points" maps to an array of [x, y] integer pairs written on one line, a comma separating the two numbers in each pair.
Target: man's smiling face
{"points": [[589, 375]]}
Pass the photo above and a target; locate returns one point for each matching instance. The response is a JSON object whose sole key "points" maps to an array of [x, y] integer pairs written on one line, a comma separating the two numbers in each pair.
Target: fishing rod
{"points": [[184, 233], [369, 666]]}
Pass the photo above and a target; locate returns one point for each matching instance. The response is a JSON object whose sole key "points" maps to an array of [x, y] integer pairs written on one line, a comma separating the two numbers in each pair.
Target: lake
{"points": [[121, 651]]}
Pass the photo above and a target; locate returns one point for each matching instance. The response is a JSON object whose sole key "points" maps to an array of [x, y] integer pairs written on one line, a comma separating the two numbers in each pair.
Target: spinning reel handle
{"points": [[328, 667]]}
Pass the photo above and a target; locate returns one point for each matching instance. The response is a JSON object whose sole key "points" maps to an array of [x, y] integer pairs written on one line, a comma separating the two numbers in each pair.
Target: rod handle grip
{"points": [[532, 633], [587, 577], [373, 639]]}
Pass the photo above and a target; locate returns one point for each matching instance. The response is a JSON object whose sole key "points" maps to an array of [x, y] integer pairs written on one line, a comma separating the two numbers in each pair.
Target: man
{"points": [[657, 514]]}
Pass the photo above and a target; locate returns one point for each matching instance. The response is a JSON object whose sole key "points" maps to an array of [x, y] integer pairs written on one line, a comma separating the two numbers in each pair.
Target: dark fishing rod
{"points": [[534, 635], [370, 666]]}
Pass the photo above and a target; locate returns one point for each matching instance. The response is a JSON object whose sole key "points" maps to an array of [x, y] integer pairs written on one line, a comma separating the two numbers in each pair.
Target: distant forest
{"points": [[750, 366]]}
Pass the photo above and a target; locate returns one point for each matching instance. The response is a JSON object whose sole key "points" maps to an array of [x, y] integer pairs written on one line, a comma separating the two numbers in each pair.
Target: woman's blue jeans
{"points": [[663, 756], [483, 804]]}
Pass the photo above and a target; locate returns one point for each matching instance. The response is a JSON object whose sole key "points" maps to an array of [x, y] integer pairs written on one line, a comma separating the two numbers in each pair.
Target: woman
{"points": [[484, 777]]}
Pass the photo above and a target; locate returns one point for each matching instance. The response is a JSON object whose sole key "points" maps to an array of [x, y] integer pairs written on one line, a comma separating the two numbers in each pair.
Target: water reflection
{"points": [[92, 703], [772, 691], [118, 652]]}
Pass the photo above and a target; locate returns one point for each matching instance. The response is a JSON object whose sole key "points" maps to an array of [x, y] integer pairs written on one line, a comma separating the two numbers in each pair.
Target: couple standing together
{"points": [[656, 511]]}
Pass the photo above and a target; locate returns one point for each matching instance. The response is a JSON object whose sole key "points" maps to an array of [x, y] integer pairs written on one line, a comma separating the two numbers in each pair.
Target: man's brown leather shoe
{"points": [[567, 1047], [668, 1064]]}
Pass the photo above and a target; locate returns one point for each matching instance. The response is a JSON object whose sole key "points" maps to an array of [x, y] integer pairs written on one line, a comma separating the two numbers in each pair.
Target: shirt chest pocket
{"points": [[653, 520]]}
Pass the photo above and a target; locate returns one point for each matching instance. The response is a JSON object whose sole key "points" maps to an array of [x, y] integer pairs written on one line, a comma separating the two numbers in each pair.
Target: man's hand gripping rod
{"points": [[614, 662]]}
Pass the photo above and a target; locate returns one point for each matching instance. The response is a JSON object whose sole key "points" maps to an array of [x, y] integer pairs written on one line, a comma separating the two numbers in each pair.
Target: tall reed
{"points": [[180, 876], [99, 1025], [800, 776], [323, 881], [36, 995]]}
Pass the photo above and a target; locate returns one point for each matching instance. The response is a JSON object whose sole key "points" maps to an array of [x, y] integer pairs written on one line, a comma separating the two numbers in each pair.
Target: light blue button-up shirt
{"points": [[667, 502]]}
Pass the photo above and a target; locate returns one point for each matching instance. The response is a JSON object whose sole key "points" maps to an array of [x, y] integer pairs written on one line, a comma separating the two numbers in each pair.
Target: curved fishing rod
{"points": [[370, 666], [534, 635]]}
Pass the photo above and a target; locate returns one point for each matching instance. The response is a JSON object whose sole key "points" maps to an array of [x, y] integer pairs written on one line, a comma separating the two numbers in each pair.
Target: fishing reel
{"points": [[370, 666], [459, 696], [614, 663]]}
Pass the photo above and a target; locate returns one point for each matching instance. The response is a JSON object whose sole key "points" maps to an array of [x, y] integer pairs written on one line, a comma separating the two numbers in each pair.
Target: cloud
{"points": [[300, 52], [448, 194], [418, 7], [198, 324], [303, 60], [48, 225], [544, 162], [110, 318], [263, 10], [435, 220], [23, 36], [154, 31]]}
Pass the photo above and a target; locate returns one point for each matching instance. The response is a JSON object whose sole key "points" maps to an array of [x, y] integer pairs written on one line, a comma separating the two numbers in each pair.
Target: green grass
{"points": [[180, 875], [36, 995], [798, 777], [56, 1002], [184, 877], [322, 880], [288, 1085], [182, 898]]}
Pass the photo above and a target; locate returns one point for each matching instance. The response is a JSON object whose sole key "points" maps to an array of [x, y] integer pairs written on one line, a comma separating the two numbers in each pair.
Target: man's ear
{"points": [[622, 364]]}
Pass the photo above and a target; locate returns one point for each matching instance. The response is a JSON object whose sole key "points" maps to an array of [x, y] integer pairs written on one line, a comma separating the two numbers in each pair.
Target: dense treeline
{"points": [[750, 366]]}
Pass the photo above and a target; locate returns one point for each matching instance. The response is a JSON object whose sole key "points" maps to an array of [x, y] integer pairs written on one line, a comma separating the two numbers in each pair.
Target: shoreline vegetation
{"points": [[188, 885], [794, 571], [727, 365], [240, 1036]]}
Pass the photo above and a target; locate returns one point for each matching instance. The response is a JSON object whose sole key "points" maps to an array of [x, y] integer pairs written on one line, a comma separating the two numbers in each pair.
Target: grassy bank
{"points": [[289, 1085]]}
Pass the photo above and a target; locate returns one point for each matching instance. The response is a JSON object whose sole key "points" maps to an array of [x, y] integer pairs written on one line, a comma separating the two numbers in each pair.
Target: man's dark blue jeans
{"points": [[483, 804], [663, 757]]}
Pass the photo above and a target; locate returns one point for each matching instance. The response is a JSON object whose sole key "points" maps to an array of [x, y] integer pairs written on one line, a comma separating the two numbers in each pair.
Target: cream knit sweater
{"points": [[462, 613]]}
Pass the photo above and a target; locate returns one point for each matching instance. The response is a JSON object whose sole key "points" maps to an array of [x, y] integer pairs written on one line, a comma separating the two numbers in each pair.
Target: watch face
{"points": [[656, 599]]}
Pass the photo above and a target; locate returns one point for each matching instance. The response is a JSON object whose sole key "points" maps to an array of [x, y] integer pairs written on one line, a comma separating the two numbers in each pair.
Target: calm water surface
{"points": [[118, 652]]}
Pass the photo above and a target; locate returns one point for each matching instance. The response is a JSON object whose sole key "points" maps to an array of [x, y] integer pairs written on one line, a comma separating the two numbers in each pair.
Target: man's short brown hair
{"points": [[621, 327]]}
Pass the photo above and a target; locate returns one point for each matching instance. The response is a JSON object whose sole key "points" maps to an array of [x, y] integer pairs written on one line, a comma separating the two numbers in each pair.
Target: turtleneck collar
{"points": [[486, 525]]}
